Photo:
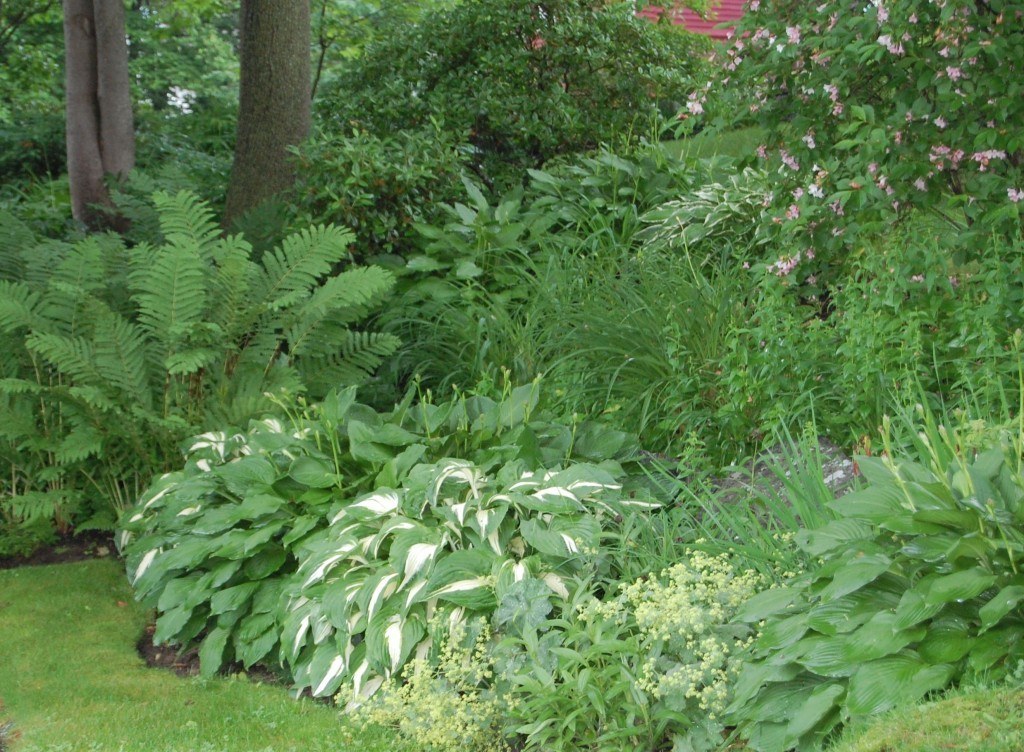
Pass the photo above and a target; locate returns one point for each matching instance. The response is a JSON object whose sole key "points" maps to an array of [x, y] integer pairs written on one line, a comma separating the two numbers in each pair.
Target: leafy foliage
{"points": [[649, 667], [875, 110], [294, 511], [118, 353], [492, 88], [918, 586]]}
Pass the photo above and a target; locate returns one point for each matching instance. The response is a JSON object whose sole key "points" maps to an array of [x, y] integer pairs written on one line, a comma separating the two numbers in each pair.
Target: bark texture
{"points": [[274, 101], [100, 127]]}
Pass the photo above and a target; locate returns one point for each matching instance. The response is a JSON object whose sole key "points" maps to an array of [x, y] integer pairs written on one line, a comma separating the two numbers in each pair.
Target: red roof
{"points": [[721, 12]]}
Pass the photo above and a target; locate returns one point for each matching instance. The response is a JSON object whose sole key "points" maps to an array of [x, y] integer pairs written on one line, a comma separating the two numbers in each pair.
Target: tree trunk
{"points": [[274, 101], [100, 129]]}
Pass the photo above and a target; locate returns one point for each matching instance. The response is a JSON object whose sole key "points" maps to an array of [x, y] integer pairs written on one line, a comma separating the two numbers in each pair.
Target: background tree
{"points": [[274, 101], [100, 127]]}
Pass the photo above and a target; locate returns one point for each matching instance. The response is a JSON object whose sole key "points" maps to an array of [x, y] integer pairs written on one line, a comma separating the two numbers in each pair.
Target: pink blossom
{"points": [[809, 140], [815, 190], [793, 212], [940, 122], [793, 34], [762, 152], [954, 73], [883, 13], [788, 160], [798, 193], [837, 208], [984, 157], [917, 278], [920, 184], [1015, 194]]}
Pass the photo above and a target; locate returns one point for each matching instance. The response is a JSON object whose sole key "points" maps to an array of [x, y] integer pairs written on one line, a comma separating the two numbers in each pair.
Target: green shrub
{"points": [[519, 82], [116, 354], [874, 111], [918, 585], [379, 184]]}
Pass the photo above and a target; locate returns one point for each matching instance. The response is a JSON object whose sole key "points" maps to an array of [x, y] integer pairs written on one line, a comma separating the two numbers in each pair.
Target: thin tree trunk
{"points": [[113, 89], [274, 101], [100, 129]]}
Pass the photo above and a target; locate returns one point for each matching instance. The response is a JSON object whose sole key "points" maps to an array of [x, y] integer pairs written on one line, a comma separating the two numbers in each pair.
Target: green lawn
{"points": [[70, 679]]}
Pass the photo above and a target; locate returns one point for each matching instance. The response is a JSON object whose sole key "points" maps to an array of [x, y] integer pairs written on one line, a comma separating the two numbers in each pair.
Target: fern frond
{"points": [[186, 220], [359, 355], [71, 356], [119, 349], [343, 299], [15, 241], [299, 263], [20, 307], [171, 294]]}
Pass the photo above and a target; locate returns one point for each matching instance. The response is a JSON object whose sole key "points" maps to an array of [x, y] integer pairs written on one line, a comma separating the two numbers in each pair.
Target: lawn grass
{"points": [[71, 679], [969, 721], [741, 142]]}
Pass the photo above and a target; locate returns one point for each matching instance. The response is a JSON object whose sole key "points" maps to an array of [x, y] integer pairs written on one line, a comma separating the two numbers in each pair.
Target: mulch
{"points": [[92, 544]]}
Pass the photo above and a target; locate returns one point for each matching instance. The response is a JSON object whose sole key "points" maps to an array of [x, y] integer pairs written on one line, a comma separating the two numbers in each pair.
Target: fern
{"points": [[117, 354], [298, 265], [187, 221]]}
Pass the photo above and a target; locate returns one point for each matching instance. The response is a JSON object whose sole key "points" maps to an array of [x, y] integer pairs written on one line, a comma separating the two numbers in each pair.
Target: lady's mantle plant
{"points": [[879, 107]]}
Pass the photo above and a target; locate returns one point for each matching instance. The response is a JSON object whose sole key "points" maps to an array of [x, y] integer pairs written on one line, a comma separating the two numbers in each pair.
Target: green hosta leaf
{"points": [[945, 643], [856, 574], [783, 700], [779, 634], [880, 685], [824, 656], [256, 636], [211, 652], [878, 638], [170, 624], [248, 474], [959, 587], [822, 701], [1005, 601], [313, 472], [265, 562], [993, 646], [232, 598], [767, 603], [914, 609]]}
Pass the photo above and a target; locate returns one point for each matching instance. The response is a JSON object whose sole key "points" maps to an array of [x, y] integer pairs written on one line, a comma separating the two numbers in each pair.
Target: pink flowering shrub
{"points": [[874, 108]]}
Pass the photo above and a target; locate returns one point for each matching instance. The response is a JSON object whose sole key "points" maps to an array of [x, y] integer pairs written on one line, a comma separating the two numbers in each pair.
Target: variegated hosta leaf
{"points": [[452, 539]]}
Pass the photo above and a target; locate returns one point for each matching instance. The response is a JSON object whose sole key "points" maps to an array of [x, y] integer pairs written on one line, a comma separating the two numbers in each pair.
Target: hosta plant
{"points": [[212, 545], [919, 584], [452, 540]]}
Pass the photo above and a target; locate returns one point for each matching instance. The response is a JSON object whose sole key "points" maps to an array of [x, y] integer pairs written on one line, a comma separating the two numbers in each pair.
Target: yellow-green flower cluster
{"points": [[682, 619], [444, 709]]}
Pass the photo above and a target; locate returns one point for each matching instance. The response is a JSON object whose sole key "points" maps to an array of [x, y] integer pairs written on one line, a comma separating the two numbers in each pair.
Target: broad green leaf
{"points": [[211, 652], [232, 598], [1001, 604], [822, 700], [856, 573], [767, 603], [832, 535], [878, 638], [313, 472], [945, 643], [779, 634], [882, 684], [913, 608], [993, 646], [959, 587]]}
